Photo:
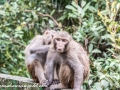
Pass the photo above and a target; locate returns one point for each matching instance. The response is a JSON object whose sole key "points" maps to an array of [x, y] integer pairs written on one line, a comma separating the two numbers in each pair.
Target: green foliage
{"points": [[105, 75], [109, 18], [94, 24], [88, 27], [17, 26], [2, 2]]}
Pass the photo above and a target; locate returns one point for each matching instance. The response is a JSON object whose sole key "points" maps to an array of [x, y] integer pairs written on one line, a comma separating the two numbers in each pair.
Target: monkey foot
{"points": [[45, 83], [55, 81]]}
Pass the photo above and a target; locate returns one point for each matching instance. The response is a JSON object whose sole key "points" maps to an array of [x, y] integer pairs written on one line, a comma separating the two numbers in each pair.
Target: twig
{"points": [[45, 15]]}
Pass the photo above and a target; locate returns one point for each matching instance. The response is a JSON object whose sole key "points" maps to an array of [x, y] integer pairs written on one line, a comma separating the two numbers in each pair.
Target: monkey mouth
{"points": [[59, 50]]}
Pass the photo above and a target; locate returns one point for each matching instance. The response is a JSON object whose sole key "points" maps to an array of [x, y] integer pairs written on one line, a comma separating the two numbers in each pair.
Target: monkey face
{"points": [[48, 36], [48, 39], [60, 44]]}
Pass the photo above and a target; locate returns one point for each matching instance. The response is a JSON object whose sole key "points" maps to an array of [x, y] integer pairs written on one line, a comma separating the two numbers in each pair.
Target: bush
{"points": [[94, 24]]}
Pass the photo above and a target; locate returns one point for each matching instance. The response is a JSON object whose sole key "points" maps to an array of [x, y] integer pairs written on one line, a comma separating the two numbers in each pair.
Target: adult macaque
{"points": [[72, 59], [35, 56]]}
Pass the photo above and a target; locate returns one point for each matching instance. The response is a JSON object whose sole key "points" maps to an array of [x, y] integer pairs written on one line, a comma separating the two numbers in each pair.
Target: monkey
{"points": [[35, 56], [72, 59]]}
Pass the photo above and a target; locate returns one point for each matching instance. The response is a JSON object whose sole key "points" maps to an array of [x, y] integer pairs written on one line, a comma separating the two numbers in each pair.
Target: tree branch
{"points": [[45, 15]]}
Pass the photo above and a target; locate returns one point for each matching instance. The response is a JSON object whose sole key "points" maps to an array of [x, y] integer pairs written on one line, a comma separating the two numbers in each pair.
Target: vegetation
{"points": [[93, 23]]}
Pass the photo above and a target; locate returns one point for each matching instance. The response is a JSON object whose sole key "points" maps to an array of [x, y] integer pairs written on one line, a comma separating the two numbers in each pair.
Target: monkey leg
{"points": [[66, 78], [56, 79], [37, 73], [66, 75], [31, 70]]}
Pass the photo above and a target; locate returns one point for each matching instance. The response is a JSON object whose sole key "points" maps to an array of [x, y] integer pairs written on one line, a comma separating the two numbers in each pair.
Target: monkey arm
{"points": [[50, 67], [40, 49], [78, 68]]}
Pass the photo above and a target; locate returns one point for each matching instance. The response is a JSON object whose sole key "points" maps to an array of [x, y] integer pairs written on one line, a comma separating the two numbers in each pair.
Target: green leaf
{"points": [[118, 6], [35, 16], [62, 17], [74, 4], [90, 47], [91, 19], [106, 36], [96, 51], [80, 11], [92, 9], [72, 15], [53, 11], [86, 7], [100, 27], [71, 7], [90, 82], [2, 12], [5, 35], [98, 86], [51, 23], [28, 19], [104, 83], [83, 3]]}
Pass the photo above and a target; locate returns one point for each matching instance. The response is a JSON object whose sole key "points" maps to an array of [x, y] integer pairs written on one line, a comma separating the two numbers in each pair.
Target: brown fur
{"points": [[31, 69], [73, 60]]}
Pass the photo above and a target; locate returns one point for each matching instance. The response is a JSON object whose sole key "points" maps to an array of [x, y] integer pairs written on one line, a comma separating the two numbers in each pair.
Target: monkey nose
{"points": [[60, 45]]}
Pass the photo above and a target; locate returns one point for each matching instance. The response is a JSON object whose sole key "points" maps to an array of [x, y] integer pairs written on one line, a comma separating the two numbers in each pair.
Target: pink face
{"points": [[61, 44], [48, 36]]}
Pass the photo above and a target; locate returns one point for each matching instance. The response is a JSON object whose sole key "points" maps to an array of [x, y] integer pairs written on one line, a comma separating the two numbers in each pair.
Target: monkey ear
{"points": [[46, 32]]}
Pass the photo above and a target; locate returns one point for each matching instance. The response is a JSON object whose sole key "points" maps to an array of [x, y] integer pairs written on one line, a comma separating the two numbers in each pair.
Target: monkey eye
{"points": [[49, 43], [64, 40], [58, 39]]}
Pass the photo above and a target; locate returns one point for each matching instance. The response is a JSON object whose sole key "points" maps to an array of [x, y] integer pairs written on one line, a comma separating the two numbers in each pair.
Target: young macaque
{"points": [[35, 56], [72, 59]]}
